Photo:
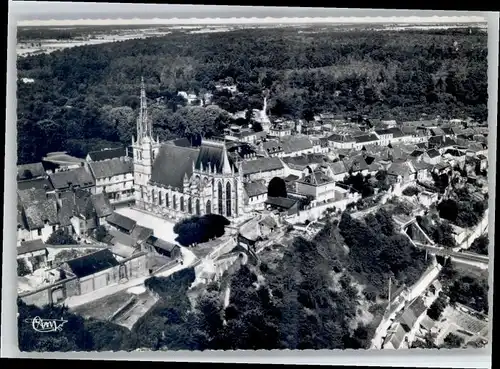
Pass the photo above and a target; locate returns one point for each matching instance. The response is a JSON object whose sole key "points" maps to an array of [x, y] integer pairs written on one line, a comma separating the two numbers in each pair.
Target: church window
{"points": [[181, 201], [228, 199], [219, 197], [208, 209], [160, 198], [198, 207], [190, 206], [174, 202], [167, 200]]}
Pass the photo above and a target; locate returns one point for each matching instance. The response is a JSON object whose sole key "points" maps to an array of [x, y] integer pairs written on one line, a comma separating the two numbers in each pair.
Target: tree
{"points": [[100, 233], [452, 341], [22, 267], [480, 245], [200, 229], [61, 237], [437, 307], [277, 188]]}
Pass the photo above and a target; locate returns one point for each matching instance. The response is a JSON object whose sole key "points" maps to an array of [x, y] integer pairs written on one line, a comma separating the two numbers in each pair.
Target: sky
{"points": [[40, 13]]}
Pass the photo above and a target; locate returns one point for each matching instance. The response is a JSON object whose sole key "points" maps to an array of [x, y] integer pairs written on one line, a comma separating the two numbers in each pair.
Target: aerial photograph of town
{"points": [[252, 186]]}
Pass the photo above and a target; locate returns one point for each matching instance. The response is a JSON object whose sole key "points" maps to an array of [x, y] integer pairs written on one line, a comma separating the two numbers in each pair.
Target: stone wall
{"points": [[68, 287]]}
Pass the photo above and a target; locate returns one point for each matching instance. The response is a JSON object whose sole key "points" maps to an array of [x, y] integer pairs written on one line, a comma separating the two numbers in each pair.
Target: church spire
{"points": [[144, 128]]}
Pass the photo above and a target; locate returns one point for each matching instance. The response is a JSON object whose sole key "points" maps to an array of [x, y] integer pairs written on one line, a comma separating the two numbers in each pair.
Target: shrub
{"points": [[61, 237]]}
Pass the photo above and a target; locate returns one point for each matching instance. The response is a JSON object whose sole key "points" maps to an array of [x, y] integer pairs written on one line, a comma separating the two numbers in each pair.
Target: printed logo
{"points": [[46, 325]]}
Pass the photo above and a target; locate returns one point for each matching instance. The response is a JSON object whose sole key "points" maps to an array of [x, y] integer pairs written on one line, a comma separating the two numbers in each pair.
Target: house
{"points": [[427, 198], [115, 178], [107, 154], [283, 205], [88, 210], [273, 148], [396, 338], [164, 248], [341, 141], [356, 164], [297, 145], [254, 230], [34, 253], [401, 172], [318, 185], [140, 234], [262, 168], [477, 148], [56, 161], [423, 170], [385, 136], [299, 165], [413, 314], [121, 222], [80, 177], [337, 170], [37, 216], [240, 134], [93, 271], [41, 183], [455, 157], [281, 130], [365, 140], [432, 157], [256, 192], [30, 171]]}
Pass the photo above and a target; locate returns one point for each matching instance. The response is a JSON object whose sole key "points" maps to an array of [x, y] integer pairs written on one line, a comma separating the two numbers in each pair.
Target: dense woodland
{"points": [[86, 97]]}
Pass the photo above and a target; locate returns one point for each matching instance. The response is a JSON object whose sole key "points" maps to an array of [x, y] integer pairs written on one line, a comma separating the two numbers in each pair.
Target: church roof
{"points": [[212, 154], [172, 163]]}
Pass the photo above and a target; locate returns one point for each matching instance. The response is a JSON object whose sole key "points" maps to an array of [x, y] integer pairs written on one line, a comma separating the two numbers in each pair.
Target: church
{"points": [[178, 182]]}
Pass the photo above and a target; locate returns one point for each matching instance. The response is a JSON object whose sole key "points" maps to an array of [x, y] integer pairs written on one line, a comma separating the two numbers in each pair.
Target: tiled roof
{"points": [[161, 244], [316, 178], [40, 183], [140, 233], [92, 263], [338, 167], [108, 154], [433, 153], [272, 146], [119, 237], [366, 138], [255, 188], [65, 212], [123, 251], [305, 160], [121, 221], [383, 131], [31, 195], [261, 165], [76, 177], [281, 202], [421, 165], [37, 213], [437, 131], [111, 167], [30, 246], [355, 163], [417, 153], [101, 205], [399, 169], [397, 132], [172, 163], [250, 230], [30, 171], [396, 338], [184, 142], [213, 155], [296, 143]]}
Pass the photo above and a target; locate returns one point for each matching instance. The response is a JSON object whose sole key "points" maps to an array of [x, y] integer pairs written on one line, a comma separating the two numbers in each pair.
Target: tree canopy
{"points": [[200, 229]]}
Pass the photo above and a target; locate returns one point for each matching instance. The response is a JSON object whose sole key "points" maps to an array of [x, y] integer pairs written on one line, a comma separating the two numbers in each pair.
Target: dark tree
{"points": [[200, 229], [277, 188], [61, 237], [437, 307], [452, 341], [100, 233], [22, 267]]}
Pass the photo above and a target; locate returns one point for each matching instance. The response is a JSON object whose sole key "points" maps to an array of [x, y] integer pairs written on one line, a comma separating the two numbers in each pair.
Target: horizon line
{"points": [[414, 20]]}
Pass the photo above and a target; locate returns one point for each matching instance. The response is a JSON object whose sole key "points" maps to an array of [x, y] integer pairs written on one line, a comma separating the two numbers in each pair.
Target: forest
{"points": [[86, 98]]}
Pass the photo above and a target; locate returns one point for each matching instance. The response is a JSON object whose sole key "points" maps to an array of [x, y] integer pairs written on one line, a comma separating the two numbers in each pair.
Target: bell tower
{"points": [[145, 150]]}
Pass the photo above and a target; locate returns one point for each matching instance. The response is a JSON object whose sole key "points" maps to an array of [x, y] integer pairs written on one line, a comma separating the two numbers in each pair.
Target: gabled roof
{"points": [[30, 246], [39, 183], [399, 169], [396, 338], [92, 263], [30, 171], [65, 212], [433, 153], [121, 221], [77, 177], [31, 195], [101, 205], [437, 131], [184, 142], [272, 146], [355, 163], [255, 188], [111, 167], [161, 244], [293, 144], [140, 233], [261, 165], [417, 153], [39, 212], [303, 161], [338, 167], [281, 202], [366, 138], [107, 154], [172, 163]]}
